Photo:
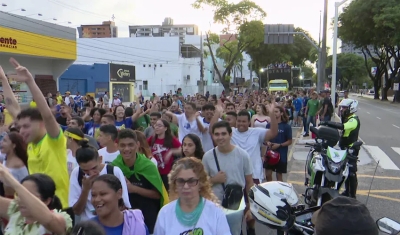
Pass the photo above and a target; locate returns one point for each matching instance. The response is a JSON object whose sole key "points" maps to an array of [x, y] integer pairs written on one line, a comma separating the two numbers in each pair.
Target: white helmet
{"points": [[351, 104], [271, 204]]}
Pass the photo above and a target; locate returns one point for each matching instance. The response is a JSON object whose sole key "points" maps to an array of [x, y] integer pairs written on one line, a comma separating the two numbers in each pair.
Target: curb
{"points": [[294, 144]]}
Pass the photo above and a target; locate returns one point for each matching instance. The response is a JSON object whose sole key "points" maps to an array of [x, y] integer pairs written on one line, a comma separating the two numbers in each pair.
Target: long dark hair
{"points": [[46, 188], [198, 152], [20, 147], [284, 116], [168, 135]]}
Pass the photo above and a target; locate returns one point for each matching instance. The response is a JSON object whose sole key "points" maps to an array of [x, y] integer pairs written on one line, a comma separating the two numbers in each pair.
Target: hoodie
{"points": [[134, 223]]}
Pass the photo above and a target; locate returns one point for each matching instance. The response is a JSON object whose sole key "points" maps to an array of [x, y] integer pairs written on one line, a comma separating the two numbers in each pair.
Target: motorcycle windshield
{"points": [[336, 155]]}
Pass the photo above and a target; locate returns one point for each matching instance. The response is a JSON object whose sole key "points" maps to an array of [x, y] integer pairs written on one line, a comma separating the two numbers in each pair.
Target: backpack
{"points": [[110, 170]]}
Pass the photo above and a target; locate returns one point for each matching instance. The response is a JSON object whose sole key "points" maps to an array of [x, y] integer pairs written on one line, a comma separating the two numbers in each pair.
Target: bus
{"points": [[278, 85]]}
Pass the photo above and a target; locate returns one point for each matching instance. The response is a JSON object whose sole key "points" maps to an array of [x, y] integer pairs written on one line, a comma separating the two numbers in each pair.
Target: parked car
{"points": [[371, 92]]}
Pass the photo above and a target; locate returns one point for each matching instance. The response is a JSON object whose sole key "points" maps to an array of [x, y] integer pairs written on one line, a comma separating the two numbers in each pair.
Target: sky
{"points": [[301, 13]]}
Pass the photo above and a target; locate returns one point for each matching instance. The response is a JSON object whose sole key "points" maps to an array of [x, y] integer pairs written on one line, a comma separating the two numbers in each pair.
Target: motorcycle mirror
{"points": [[388, 226]]}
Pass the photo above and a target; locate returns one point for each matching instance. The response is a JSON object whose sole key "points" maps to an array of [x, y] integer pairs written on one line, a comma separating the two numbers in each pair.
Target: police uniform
{"points": [[351, 128]]}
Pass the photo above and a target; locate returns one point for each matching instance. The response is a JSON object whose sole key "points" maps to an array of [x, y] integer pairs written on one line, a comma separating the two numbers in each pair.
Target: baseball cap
{"points": [[344, 216]]}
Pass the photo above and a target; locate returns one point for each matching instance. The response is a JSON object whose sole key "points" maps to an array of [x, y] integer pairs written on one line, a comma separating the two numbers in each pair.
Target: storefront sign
{"points": [[33, 44], [122, 73], [8, 42]]}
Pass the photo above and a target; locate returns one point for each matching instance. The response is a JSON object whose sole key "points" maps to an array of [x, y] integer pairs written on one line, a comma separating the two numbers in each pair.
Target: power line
{"points": [[83, 45], [47, 26], [82, 11]]}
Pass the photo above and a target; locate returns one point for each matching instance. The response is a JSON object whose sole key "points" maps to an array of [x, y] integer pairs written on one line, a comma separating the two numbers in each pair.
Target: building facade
{"points": [[166, 29], [105, 30], [46, 53], [162, 64], [85, 79]]}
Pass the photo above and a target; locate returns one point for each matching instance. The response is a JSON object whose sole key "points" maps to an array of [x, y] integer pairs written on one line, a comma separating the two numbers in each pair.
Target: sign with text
{"points": [[122, 73]]}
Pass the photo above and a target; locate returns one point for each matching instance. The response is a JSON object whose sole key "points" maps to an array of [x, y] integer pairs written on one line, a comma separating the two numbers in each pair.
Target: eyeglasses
{"points": [[190, 182]]}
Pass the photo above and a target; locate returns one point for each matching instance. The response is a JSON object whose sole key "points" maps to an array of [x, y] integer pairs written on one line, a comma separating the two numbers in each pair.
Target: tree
{"points": [[371, 26], [308, 71], [242, 21], [351, 67], [298, 53]]}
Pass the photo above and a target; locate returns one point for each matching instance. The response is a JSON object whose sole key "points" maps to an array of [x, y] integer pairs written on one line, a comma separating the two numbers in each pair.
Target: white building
{"points": [[166, 29], [162, 64], [351, 49]]}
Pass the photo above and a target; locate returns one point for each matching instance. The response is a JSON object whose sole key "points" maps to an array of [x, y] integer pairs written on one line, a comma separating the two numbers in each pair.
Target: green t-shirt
{"points": [[313, 106], [174, 129], [143, 122]]}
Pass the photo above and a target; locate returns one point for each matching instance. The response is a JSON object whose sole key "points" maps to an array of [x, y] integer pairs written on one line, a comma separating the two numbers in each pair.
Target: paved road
{"points": [[380, 128], [383, 190]]}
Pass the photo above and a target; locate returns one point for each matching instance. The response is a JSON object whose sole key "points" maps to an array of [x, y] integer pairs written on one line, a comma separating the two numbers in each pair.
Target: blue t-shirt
{"points": [[124, 124], [298, 103], [115, 230], [284, 134], [91, 128]]}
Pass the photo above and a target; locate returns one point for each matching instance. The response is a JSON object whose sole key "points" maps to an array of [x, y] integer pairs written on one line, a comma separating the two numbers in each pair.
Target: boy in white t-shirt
{"points": [[107, 137]]}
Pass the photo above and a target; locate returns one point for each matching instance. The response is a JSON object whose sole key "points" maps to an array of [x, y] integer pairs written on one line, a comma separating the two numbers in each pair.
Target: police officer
{"points": [[351, 128]]}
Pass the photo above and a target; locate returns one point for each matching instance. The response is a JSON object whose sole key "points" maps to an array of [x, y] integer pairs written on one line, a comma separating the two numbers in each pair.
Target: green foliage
{"points": [[308, 71], [373, 23], [298, 53], [242, 20], [352, 69]]}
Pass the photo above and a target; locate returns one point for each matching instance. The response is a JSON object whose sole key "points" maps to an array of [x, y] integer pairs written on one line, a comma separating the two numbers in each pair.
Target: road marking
{"points": [[359, 176], [384, 160], [368, 112], [380, 197], [361, 192], [396, 149], [396, 126], [294, 144], [378, 118]]}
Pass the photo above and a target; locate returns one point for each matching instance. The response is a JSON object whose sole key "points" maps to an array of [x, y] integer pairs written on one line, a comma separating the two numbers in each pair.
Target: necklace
{"points": [[189, 219]]}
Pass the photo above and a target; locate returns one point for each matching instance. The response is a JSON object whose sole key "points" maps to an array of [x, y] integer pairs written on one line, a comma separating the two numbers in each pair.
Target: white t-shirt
{"points": [[186, 127], [75, 191], [116, 102], [71, 161], [211, 222], [251, 140], [107, 157], [206, 138]]}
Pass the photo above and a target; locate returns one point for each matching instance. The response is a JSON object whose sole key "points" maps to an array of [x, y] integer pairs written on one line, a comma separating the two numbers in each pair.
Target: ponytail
{"points": [[55, 203]]}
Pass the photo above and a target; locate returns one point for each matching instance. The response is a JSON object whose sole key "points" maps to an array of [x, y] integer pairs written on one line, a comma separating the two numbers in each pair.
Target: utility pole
{"points": [[322, 54], [201, 87]]}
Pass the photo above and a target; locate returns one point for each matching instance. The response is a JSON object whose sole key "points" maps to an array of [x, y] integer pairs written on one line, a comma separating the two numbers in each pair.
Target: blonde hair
{"points": [[196, 165]]}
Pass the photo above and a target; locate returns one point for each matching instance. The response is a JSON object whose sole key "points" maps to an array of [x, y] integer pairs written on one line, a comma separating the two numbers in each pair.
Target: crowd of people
{"points": [[160, 166]]}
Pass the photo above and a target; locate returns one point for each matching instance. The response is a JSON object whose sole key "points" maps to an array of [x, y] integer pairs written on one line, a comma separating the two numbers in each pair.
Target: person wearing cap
{"points": [[344, 216], [66, 99]]}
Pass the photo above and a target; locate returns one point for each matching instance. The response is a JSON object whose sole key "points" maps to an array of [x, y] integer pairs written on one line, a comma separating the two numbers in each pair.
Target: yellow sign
{"points": [[26, 43]]}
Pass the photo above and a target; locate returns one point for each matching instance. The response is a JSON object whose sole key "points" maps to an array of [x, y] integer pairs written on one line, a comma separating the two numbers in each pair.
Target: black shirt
{"points": [[149, 207], [62, 121], [329, 110]]}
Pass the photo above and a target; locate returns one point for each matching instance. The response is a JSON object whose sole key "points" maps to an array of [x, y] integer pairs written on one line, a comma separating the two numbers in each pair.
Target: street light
{"points": [[334, 53]]}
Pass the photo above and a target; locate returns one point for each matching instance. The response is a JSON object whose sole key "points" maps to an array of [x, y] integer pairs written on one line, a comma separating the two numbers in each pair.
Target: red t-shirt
{"points": [[159, 151]]}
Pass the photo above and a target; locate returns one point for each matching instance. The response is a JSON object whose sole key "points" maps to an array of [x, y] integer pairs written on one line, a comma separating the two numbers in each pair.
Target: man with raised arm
{"points": [[47, 151]]}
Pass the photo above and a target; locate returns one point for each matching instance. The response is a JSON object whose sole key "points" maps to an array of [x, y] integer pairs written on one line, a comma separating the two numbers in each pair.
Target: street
{"points": [[379, 184], [380, 130]]}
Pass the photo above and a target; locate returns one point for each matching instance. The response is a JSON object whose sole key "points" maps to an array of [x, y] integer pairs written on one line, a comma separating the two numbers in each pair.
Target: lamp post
{"points": [[334, 53]]}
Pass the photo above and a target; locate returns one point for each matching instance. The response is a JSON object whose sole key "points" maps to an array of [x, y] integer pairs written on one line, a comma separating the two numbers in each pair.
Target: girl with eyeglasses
{"points": [[195, 210]]}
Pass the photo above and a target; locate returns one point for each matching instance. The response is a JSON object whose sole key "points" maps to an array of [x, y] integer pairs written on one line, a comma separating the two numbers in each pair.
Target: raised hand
{"points": [[23, 74]]}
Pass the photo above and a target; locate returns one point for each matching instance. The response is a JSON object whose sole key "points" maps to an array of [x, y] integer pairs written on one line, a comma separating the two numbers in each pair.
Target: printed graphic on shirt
{"points": [[196, 231], [157, 151]]}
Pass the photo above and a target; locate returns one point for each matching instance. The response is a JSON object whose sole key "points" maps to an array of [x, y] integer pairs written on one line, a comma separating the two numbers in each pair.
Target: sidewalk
{"points": [[390, 98]]}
